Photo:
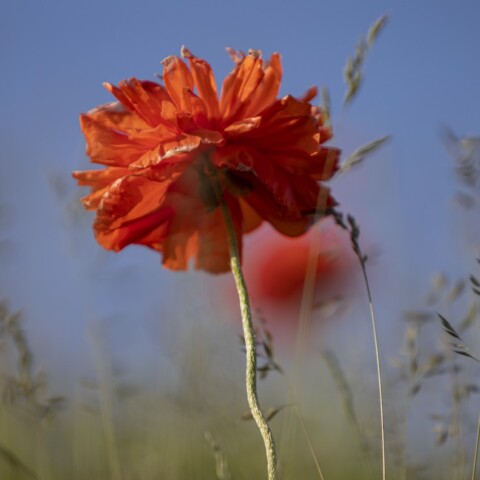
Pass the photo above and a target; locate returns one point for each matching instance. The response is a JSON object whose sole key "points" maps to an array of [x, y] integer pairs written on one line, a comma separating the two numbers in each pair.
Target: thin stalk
{"points": [[250, 346], [354, 236], [377, 358], [300, 350], [309, 442], [455, 426], [475, 458]]}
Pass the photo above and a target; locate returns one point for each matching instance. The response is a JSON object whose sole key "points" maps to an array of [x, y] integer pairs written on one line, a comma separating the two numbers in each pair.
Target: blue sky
{"points": [[422, 73]]}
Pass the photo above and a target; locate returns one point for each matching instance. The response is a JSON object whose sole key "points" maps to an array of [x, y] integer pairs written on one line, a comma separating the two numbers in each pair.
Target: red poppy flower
{"points": [[276, 266], [164, 145]]}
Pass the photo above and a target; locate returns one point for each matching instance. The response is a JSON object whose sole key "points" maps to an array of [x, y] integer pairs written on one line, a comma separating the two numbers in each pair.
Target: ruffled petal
{"points": [[291, 137], [99, 181], [177, 78], [115, 116], [143, 98], [193, 145], [243, 126], [131, 211], [320, 166], [287, 120], [99, 178], [178, 146], [265, 206], [262, 202], [239, 86], [295, 195], [205, 83], [254, 167], [309, 95], [196, 108], [267, 90], [108, 146]]}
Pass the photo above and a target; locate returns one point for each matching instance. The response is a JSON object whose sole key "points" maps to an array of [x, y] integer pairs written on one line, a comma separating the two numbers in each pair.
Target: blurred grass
{"points": [[154, 441], [159, 431]]}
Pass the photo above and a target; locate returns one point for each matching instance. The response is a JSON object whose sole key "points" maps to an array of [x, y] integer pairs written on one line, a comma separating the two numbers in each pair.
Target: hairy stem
{"points": [[250, 346]]}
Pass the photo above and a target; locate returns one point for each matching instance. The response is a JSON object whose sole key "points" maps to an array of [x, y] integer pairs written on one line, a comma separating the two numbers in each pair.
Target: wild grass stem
{"points": [[309, 442], [379, 376], [475, 457], [354, 231]]}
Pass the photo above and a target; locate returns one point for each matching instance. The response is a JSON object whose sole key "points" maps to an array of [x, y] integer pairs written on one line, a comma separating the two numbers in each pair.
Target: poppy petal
{"points": [[204, 82], [177, 77]]}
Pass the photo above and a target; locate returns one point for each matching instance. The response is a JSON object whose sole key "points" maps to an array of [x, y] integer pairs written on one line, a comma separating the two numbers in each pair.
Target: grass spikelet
{"points": [[326, 105], [353, 71], [376, 29], [358, 155]]}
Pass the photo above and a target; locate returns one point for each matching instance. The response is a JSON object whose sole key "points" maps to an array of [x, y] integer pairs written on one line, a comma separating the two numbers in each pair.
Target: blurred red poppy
{"points": [[162, 145], [275, 270]]}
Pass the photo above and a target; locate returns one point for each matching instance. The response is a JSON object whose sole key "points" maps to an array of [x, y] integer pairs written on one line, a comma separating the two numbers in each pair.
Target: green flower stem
{"points": [[250, 346]]}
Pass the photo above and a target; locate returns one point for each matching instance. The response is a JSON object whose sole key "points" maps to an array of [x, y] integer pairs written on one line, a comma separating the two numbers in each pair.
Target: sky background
{"points": [[423, 73]]}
